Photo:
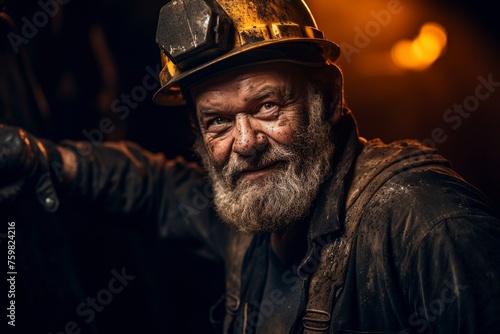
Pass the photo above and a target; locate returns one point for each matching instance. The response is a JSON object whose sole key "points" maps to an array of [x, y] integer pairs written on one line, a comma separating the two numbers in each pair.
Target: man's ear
{"points": [[336, 107]]}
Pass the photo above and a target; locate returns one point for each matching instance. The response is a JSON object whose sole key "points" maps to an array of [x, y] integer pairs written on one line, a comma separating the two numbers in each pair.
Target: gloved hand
{"points": [[25, 167]]}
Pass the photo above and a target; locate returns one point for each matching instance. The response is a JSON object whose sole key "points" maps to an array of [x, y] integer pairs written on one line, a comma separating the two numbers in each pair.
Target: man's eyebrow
{"points": [[207, 108], [283, 92], [207, 111]]}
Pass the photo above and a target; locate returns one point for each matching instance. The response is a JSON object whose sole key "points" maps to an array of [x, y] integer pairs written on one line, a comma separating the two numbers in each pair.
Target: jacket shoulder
{"points": [[404, 191], [405, 175], [420, 227]]}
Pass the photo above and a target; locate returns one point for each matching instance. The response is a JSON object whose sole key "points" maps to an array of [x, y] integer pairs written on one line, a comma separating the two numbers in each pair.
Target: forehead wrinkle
{"points": [[247, 95], [245, 88], [282, 91], [208, 105]]}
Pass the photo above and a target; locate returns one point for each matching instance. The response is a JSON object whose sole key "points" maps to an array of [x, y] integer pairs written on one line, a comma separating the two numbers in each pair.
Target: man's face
{"points": [[256, 144]]}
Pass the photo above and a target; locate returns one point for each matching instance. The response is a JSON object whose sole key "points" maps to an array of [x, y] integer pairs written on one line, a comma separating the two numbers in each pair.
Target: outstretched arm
{"points": [[118, 178]]}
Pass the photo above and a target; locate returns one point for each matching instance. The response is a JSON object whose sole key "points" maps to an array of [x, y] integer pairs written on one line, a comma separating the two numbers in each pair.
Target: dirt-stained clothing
{"points": [[398, 242]]}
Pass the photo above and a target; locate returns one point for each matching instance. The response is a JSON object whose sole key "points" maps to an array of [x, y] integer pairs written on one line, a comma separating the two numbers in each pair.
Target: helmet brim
{"points": [[303, 51]]}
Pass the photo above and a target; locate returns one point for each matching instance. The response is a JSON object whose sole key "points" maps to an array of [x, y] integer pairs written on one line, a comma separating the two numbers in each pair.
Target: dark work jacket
{"points": [[399, 243]]}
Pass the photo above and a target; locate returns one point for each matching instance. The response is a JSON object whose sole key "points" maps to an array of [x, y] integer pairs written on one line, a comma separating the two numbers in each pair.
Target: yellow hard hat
{"points": [[200, 38]]}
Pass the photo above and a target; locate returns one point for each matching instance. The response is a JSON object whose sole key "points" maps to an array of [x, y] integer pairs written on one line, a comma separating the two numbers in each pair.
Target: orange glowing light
{"points": [[425, 49]]}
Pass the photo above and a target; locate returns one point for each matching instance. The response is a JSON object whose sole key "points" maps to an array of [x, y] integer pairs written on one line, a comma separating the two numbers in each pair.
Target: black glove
{"points": [[25, 167]]}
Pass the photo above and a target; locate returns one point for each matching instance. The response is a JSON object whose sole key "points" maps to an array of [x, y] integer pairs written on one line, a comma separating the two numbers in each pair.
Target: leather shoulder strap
{"points": [[236, 253]]}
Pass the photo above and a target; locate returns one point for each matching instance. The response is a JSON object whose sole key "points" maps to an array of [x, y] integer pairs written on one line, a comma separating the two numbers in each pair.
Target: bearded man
{"points": [[320, 230]]}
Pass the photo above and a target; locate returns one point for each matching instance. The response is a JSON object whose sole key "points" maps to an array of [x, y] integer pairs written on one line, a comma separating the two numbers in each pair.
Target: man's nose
{"points": [[248, 140]]}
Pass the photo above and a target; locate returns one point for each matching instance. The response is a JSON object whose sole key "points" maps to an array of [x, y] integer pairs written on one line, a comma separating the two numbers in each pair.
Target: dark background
{"points": [[391, 103], [64, 80]]}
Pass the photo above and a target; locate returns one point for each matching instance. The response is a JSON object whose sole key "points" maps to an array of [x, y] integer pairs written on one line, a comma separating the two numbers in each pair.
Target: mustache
{"points": [[271, 155]]}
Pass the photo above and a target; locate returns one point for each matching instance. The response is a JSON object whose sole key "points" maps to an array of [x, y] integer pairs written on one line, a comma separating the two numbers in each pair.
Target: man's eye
{"points": [[269, 105], [269, 108], [219, 121]]}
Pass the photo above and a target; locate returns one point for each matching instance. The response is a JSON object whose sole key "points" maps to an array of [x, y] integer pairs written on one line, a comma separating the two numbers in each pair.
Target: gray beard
{"points": [[274, 202]]}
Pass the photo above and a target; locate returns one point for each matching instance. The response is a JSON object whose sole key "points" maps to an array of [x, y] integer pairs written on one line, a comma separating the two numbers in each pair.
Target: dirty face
{"points": [[256, 143], [243, 112]]}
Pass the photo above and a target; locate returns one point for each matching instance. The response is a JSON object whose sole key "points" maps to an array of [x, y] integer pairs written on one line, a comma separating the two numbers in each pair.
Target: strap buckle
{"points": [[316, 320]]}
